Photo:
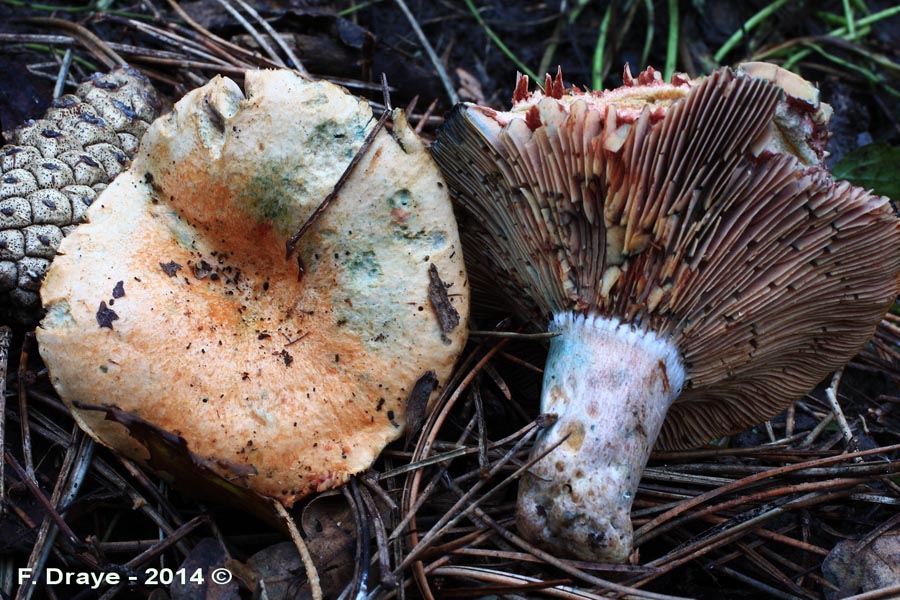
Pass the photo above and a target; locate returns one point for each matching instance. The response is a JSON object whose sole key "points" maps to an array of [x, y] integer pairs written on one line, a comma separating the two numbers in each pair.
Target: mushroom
{"points": [[685, 242], [175, 303]]}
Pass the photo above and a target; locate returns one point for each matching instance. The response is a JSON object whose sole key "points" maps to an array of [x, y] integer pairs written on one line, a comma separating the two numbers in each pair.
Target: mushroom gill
{"points": [[692, 251]]}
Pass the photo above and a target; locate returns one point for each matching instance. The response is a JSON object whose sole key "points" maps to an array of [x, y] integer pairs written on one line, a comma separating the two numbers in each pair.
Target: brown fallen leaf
{"points": [[330, 536], [858, 570], [206, 557], [469, 87]]}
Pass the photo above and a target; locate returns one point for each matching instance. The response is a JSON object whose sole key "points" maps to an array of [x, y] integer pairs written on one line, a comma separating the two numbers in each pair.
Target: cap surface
{"points": [[176, 302], [687, 216]]}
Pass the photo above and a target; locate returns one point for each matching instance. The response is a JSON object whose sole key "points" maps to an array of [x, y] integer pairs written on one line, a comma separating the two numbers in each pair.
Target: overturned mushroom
{"points": [[176, 303], [695, 257]]}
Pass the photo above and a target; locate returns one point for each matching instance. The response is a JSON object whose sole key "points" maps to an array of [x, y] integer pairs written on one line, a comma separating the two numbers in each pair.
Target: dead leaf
{"points": [[469, 87], [205, 558], [858, 570], [330, 536], [171, 458]]}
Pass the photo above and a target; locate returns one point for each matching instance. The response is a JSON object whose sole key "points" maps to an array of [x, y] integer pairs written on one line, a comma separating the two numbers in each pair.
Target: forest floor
{"points": [[804, 506]]}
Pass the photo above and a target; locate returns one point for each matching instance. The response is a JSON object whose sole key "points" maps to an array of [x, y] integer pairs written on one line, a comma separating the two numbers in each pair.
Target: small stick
{"points": [[42, 499], [88, 39], [831, 392], [482, 433], [384, 557], [311, 574], [205, 32], [298, 64], [253, 32], [71, 475], [883, 593], [515, 335], [295, 239], [432, 55], [643, 534], [754, 583], [467, 503], [357, 587], [790, 421], [386, 93], [567, 566], [63, 74], [23, 407], [5, 342], [427, 115], [817, 431], [511, 583], [156, 550]]}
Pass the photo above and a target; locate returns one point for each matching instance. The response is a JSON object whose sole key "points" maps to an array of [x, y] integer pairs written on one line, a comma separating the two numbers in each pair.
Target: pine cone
{"points": [[54, 169]]}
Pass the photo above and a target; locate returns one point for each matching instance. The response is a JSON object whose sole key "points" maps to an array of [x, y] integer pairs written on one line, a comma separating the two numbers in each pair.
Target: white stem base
{"points": [[610, 387]]}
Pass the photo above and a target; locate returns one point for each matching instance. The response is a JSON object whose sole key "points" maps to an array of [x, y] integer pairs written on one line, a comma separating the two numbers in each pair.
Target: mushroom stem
{"points": [[610, 385]]}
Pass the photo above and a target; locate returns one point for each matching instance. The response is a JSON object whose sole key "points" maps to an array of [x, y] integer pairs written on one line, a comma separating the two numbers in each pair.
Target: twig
{"points": [[384, 558], [646, 532], [88, 39], [762, 587], [311, 574], [108, 475], [429, 50], [813, 435], [515, 583], [456, 512], [5, 342], [514, 335], [71, 476], [252, 31], [63, 74], [831, 392], [323, 206], [880, 594], [149, 554], [24, 425], [877, 532], [205, 32], [41, 498], [427, 115], [482, 430], [564, 565], [357, 586], [297, 63]]}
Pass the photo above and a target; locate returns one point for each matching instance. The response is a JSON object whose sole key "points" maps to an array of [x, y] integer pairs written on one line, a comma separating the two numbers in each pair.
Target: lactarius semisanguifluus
{"points": [[176, 302], [688, 245]]}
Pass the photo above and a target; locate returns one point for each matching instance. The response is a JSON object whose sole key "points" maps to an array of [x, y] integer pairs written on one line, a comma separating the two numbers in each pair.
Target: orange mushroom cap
{"points": [[176, 303]]}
